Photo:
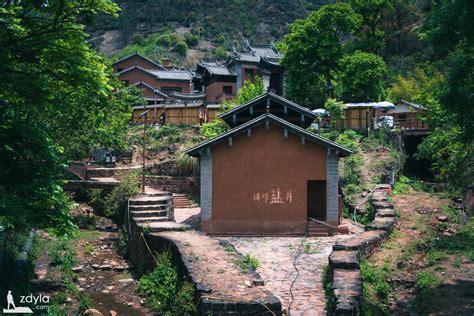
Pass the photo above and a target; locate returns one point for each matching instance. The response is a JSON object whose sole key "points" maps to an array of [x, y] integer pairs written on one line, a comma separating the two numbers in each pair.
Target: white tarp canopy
{"points": [[376, 105]]}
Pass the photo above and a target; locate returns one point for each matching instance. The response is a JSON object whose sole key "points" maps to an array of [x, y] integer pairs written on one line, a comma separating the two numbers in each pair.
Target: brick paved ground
{"points": [[276, 255], [214, 267]]}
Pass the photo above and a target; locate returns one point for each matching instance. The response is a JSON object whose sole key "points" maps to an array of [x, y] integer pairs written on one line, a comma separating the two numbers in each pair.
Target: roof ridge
{"points": [[210, 142]]}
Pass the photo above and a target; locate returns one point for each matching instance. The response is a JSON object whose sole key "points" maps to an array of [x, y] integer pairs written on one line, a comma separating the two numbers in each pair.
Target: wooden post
{"points": [[144, 151], [144, 148]]}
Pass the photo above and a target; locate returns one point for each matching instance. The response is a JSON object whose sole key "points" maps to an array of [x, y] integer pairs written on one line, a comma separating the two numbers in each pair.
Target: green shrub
{"points": [[181, 48], [426, 280], [165, 293], [187, 165], [213, 129], [376, 278], [62, 253], [96, 199], [116, 201], [434, 256], [248, 262]]}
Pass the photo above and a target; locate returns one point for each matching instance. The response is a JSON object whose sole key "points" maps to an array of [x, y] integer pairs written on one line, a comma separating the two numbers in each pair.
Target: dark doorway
{"points": [[416, 167], [317, 199]]}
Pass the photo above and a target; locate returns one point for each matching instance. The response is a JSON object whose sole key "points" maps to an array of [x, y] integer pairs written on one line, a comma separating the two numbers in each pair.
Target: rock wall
{"points": [[188, 185], [140, 257], [344, 269]]}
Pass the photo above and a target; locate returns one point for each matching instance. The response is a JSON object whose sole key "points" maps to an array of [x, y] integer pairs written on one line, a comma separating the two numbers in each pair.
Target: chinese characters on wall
{"points": [[274, 196]]}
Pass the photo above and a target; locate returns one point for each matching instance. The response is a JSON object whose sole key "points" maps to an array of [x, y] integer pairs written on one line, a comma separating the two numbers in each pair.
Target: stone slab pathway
{"points": [[276, 256]]}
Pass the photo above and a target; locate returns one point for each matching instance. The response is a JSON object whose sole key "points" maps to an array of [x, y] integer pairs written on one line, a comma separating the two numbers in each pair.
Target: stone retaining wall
{"points": [[188, 185], [141, 258], [344, 270]]}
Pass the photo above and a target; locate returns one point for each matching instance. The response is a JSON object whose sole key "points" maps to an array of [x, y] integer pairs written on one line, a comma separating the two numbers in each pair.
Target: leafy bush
{"points": [[213, 129], [62, 254], [116, 201], [165, 293], [181, 48], [187, 165]]}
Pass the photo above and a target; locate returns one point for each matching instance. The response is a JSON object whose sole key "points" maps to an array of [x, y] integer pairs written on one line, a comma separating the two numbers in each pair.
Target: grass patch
{"points": [[166, 293], [375, 281], [435, 256], [426, 280], [89, 235], [248, 262]]}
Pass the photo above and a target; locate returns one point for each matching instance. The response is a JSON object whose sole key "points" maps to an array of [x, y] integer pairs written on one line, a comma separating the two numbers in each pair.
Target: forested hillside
{"points": [[214, 20]]}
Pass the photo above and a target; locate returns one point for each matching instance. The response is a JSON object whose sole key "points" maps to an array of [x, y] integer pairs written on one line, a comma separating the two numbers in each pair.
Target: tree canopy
{"points": [[57, 99], [312, 51], [362, 77]]}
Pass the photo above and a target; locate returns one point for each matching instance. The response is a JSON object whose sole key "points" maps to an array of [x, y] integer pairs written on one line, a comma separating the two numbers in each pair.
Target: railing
{"points": [[410, 123], [322, 223]]}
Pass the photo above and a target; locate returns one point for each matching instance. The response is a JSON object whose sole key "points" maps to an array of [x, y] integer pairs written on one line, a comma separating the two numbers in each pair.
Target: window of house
{"points": [[227, 90], [402, 117], [126, 82], [248, 72], [168, 90]]}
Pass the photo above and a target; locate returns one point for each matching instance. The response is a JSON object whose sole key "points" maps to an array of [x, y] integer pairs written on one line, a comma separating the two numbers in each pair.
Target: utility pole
{"points": [[144, 148]]}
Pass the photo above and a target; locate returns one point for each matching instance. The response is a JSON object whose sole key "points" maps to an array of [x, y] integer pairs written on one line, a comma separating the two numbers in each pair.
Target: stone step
{"points": [[135, 214], [162, 226], [163, 193], [151, 219], [160, 207], [320, 234], [149, 200]]}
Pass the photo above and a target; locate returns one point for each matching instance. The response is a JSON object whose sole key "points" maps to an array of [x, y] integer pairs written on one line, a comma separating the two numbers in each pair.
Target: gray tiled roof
{"points": [[172, 74], [341, 150], [217, 68]]}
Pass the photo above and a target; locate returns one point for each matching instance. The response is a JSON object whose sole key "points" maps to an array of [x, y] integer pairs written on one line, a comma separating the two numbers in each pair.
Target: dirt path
{"points": [[411, 251]]}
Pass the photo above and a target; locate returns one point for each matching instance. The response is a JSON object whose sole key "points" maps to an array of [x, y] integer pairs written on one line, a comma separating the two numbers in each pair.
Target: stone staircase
{"points": [[182, 201], [154, 212], [317, 230]]}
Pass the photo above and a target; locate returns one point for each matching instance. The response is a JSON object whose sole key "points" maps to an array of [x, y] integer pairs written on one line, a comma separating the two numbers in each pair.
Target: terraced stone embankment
{"points": [[344, 270]]}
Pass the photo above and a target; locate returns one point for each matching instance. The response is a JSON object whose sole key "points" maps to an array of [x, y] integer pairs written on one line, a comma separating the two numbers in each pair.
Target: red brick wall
{"points": [[137, 75], [215, 91]]}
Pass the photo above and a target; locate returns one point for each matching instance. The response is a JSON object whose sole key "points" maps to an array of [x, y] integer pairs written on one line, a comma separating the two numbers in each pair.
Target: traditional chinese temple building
{"points": [[268, 175], [221, 80]]}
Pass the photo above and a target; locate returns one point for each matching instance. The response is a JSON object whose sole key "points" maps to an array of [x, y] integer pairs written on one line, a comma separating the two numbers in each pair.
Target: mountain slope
{"points": [[222, 20]]}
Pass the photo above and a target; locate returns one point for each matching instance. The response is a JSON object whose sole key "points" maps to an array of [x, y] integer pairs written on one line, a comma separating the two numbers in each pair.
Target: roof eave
{"points": [[341, 150]]}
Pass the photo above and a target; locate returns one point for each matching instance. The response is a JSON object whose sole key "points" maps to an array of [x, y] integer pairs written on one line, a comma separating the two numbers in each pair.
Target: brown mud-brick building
{"points": [[268, 175]]}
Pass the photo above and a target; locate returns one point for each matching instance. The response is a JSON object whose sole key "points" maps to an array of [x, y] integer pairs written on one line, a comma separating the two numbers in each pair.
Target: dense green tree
{"points": [[312, 52], [362, 77], [450, 31], [372, 12], [250, 90], [56, 101], [181, 48]]}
